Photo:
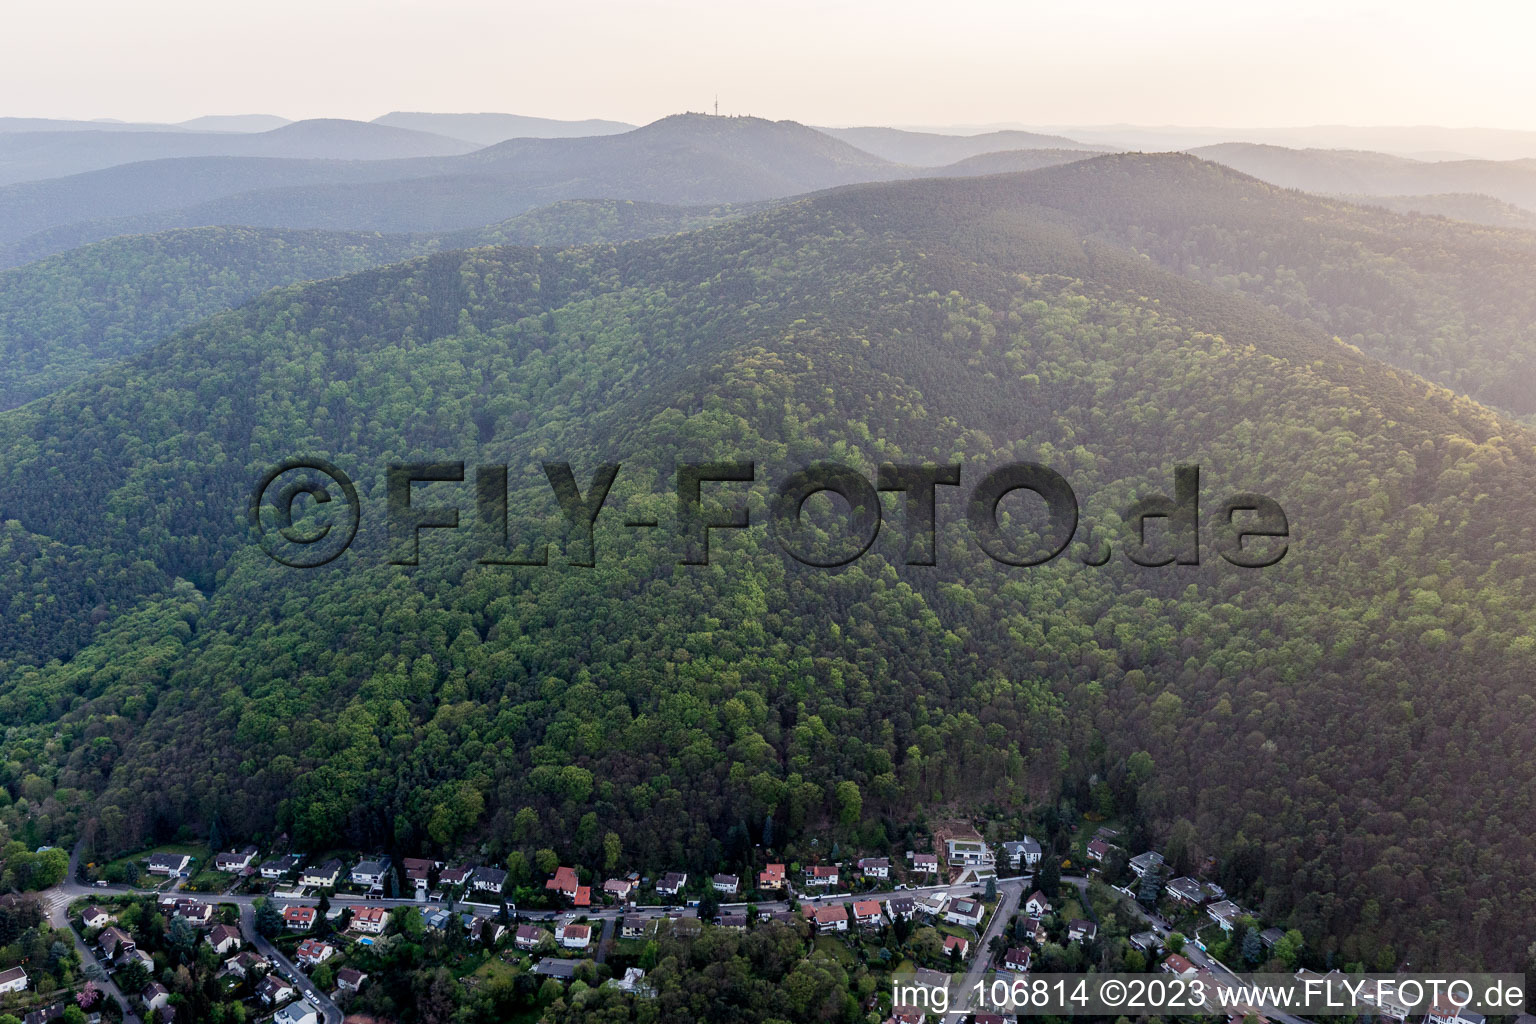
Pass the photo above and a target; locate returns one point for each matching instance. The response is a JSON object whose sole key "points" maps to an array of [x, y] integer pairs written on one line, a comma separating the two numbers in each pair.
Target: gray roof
{"points": [[551, 967]]}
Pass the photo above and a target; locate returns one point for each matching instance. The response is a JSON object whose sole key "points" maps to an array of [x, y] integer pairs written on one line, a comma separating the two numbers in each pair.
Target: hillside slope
{"points": [[1447, 300], [1283, 712], [64, 317]]}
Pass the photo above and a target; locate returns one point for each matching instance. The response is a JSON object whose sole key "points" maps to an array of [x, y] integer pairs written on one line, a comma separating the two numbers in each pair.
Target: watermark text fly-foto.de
{"points": [[306, 512]]}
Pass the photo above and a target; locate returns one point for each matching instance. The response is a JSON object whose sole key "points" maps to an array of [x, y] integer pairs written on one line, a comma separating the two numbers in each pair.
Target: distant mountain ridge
{"points": [[40, 155], [928, 149], [1358, 172], [490, 128], [689, 159]]}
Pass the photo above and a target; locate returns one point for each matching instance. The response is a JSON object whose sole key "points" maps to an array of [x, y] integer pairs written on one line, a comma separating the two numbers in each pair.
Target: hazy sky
{"points": [[1221, 62]]}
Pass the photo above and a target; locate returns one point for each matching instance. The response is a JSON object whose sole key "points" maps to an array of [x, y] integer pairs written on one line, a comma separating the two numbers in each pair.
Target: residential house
{"points": [[483, 929], [297, 1013], [350, 979], [235, 861], [565, 882], [925, 863], [273, 990], [528, 936], [583, 897], [771, 877], [1037, 906], [1034, 931], [1147, 942], [438, 919], [299, 919], [553, 967], [934, 904], [833, 918], [1186, 890], [1022, 853], [242, 965], [726, 884], [1017, 960], [618, 887], [1178, 966], [900, 906], [1225, 914], [632, 926], [488, 880], [866, 913], [821, 875], [418, 872], [370, 871], [1098, 849], [970, 852], [95, 917], [224, 938], [875, 867], [169, 864], [115, 943], [735, 922], [1144, 862], [573, 936], [633, 982], [155, 996], [194, 912], [13, 981], [1442, 1013], [954, 942], [281, 867], [966, 912], [369, 920], [325, 876], [672, 883], [1270, 936], [902, 1014], [312, 952], [1082, 931], [454, 875]]}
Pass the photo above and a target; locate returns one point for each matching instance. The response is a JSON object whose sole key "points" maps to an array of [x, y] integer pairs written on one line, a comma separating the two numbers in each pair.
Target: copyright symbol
{"points": [[304, 534], [1113, 992]]}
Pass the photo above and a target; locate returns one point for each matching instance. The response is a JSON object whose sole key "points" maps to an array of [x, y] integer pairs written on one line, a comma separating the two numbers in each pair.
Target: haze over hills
{"points": [[488, 129], [683, 160], [1416, 141], [235, 123], [1346, 172], [961, 319], [925, 149], [33, 156]]}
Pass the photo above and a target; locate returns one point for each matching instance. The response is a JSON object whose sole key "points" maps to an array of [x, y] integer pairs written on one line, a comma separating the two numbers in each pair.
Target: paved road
{"points": [[56, 902], [1009, 892], [329, 1011]]}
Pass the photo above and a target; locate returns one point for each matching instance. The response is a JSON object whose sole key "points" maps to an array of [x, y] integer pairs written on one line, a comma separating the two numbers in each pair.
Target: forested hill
{"points": [[69, 315], [1448, 300], [1346, 731]]}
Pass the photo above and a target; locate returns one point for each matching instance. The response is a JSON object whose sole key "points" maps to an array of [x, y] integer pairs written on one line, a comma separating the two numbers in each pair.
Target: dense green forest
{"points": [[1347, 732]]}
